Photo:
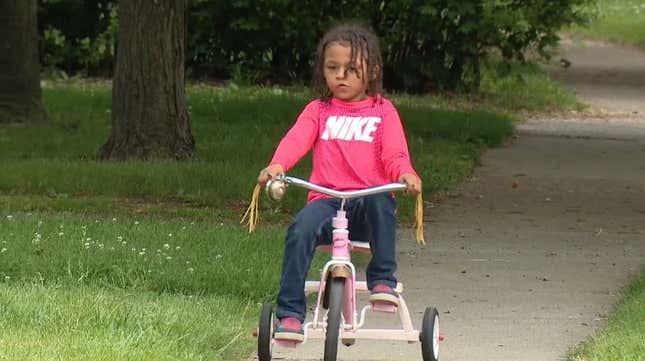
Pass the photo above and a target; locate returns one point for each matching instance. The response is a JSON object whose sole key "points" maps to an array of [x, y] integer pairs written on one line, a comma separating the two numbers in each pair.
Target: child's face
{"points": [[345, 79]]}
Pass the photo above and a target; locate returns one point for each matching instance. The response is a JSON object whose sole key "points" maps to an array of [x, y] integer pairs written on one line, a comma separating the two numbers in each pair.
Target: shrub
{"points": [[87, 44], [427, 44]]}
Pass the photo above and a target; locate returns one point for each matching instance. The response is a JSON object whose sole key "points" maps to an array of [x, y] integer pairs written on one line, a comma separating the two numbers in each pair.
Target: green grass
{"points": [[507, 87], [147, 261], [526, 88], [624, 337], [617, 20], [157, 254], [74, 287], [236, 133], [63, 322]]}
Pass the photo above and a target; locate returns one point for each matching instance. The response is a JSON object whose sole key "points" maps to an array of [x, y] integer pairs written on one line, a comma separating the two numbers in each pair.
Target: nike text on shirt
{"points": [[350, 128]]}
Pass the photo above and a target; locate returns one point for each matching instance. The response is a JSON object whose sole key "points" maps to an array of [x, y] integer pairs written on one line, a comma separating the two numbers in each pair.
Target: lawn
{"points": [[616, 20], [75, 286]]}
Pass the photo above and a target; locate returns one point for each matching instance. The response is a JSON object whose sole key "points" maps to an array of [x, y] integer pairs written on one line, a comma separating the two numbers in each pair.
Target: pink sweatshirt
{"points": [[355, 145]]}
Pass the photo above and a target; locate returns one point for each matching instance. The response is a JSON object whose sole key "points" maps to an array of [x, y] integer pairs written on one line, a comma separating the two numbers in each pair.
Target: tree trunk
{"points": [[149, 116], [20, 93]]}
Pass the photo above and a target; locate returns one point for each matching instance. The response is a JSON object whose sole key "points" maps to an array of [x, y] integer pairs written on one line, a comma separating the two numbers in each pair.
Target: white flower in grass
{"points": [[168, 258], [7, 278], [218, 256], [136, 223], [3, 250], [37, 238], [177, 248], [113, 219], [40, 223], [60, 234], [191, 270], [87, 245], [166, 246], [9, 217], [169, 234], [142, 253]]}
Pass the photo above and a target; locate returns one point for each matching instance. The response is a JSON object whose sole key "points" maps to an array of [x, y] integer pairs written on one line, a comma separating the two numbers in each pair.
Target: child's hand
{"points": [[413, 182], [270, 172]]}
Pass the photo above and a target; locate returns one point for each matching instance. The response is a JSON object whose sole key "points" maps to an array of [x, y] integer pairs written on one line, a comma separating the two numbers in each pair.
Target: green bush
{"points": [[87, 44], [427, 44]]}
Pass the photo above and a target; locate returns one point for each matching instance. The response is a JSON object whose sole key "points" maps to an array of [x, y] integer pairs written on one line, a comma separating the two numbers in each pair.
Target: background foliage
{"points": [[427, 44]]}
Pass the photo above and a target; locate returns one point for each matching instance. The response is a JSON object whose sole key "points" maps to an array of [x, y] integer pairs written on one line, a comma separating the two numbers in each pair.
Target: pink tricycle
{"points": [[336, 317]]}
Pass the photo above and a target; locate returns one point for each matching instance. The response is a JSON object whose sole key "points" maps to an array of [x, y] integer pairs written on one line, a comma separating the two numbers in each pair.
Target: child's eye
{"points": [[331, 67]]}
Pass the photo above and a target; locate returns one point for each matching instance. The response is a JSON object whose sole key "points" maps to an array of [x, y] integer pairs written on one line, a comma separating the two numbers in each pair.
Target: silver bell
{"points": [[276, 188]]}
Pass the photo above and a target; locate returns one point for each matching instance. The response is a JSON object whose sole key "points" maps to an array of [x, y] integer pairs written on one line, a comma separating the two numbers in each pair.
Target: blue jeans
{"points": [[371, 218]]}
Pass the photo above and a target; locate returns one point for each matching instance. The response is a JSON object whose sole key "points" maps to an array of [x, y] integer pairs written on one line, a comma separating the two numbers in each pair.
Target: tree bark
{"points": [[20, 92], [149, 116]]}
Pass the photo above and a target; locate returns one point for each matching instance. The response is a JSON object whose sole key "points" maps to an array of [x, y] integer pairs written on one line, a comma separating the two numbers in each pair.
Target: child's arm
{"points": [[395, 155], [295, 144]]}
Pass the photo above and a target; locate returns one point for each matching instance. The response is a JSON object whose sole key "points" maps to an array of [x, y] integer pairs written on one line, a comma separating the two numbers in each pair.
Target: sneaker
{"points": [[384, 293], [289, 329]]}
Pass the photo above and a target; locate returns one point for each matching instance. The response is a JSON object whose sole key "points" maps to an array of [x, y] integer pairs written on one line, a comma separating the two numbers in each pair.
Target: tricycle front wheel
{"points": [[336, 293]]}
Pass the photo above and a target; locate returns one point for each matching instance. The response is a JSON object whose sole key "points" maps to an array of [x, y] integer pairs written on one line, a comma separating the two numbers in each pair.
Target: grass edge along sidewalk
{"points": [[623, 339]]}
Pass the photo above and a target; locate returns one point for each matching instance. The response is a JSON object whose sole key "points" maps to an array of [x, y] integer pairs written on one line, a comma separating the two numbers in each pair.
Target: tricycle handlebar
{"points": [[276, 188]]}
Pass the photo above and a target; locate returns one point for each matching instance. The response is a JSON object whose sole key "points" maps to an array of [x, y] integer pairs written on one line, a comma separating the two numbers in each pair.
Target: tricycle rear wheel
{"points": [[429, 336], [265, 332]]}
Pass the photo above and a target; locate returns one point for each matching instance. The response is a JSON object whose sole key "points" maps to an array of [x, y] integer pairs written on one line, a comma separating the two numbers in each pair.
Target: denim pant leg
{"points": [[311, 226], [379, 228]]}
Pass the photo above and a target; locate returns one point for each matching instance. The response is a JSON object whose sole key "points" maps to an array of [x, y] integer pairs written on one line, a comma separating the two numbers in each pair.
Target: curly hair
{"points": [[362, 41]]}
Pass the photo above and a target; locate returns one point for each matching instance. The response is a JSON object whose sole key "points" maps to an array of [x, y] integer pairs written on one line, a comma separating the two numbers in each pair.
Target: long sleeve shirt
{"points": [[355, 145]]}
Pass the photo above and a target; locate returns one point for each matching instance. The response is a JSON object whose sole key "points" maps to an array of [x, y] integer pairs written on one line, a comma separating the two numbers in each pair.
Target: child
{"points": [[358, 142]]}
